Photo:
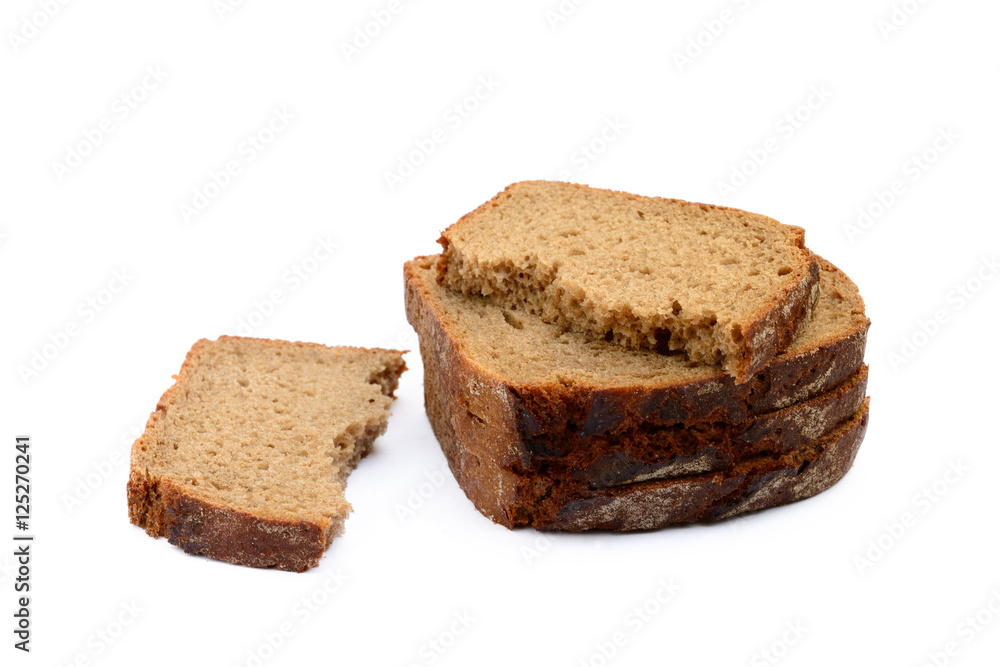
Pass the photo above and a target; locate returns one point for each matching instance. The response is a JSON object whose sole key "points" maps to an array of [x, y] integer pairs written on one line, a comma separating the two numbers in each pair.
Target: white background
{"points": [[682, 128]]}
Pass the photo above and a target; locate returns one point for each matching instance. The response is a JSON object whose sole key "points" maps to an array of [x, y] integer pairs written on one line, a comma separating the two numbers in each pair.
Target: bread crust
{"points": [[649, 454], [778, 324], [165, 507], [752, 485]]}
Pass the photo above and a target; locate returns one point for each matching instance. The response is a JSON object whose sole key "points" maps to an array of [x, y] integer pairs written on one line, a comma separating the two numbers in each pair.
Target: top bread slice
{"points": [[528, 380], [246, 456], [722, 285]]}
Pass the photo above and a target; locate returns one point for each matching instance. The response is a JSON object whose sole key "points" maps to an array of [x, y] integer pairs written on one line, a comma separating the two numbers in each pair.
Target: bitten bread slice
{"points": [[722, 285], [246, 456]]}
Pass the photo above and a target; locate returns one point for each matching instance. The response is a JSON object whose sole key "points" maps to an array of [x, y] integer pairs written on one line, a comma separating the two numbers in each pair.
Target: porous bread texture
{"points": [[722, 285], [246, 456]]}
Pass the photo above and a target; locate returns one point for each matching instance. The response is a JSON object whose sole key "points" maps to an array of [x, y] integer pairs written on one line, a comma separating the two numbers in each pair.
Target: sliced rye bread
{"points": [[246, 456], [552, 499], [533, 382], [722, 285], [554, 493], [486, 368]]}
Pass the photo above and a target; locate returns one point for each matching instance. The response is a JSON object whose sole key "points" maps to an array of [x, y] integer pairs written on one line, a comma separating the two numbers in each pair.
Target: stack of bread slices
{"points": [[600, 360]]}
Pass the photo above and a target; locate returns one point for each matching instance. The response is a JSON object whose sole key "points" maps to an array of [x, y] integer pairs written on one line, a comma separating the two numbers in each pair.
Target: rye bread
{"points": [[722, 285], [552, 499], [246, 456], [486, 368]]}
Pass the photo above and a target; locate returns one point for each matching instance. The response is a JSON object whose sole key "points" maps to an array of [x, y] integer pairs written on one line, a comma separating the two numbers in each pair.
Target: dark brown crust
{"points": [[651, 453], [166, 508], [199, 527], [757, 484], [765, 335]]}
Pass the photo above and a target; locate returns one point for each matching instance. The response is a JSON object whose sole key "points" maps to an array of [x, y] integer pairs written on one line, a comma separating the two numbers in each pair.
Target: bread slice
{"points": [[246, 456], [722, 285]]}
